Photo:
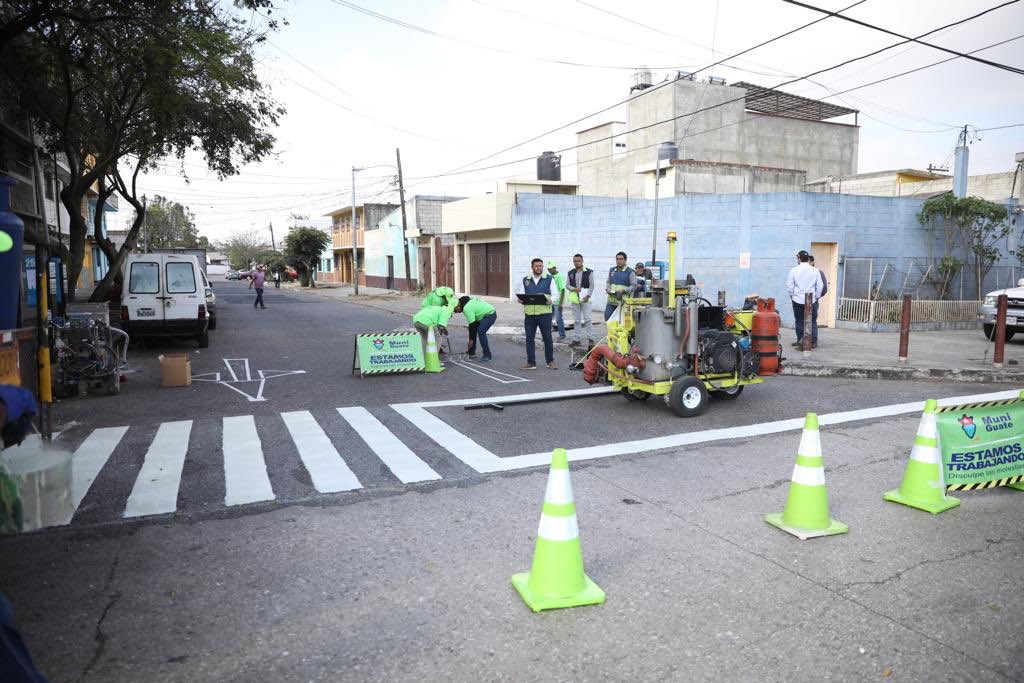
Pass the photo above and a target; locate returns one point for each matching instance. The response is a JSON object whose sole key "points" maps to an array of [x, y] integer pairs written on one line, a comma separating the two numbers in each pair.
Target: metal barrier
{"points": [[882, 312]]}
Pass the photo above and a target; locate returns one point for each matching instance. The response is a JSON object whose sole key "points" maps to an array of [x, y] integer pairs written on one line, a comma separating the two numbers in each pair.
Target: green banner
{"points": [[378, 353], [982, 444]]}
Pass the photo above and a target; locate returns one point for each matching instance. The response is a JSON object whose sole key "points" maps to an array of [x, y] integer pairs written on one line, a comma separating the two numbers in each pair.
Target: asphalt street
{"points": [[400, 568]]}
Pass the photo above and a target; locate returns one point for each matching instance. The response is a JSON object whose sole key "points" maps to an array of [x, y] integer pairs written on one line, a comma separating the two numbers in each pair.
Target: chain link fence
{"points": [[879, 279]]}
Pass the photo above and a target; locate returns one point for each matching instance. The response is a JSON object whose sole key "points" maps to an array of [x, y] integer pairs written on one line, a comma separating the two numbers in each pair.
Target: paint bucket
{"points": [[42, 472]]}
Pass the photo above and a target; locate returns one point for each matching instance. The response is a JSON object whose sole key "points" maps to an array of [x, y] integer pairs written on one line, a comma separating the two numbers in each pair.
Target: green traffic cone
{"points": [[923, 485], [431, 360]]}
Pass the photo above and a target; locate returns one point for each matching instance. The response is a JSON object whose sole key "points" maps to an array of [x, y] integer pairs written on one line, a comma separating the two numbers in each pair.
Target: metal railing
{"points": [[871, 312]]}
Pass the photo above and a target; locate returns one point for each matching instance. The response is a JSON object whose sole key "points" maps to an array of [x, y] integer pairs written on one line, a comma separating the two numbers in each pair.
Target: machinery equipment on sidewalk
{"points": [[90, 353], [676, 344]]}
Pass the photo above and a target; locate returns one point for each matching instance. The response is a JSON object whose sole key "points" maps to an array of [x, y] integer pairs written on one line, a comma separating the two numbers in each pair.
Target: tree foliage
{"points": [[244, 247], [972, 227], [303, 246], [169, 224], [156, 80]]}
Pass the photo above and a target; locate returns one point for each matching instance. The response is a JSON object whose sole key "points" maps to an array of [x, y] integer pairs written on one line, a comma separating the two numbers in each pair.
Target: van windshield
{"points": [[180, 278], [144, 278]]}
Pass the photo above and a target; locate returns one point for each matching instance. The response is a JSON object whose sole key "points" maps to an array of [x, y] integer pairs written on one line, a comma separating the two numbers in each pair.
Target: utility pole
{"points": [[273, 244], [355, 253], [405, 244]]}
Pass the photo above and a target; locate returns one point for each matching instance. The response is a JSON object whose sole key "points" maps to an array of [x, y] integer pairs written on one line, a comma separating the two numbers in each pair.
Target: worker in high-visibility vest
{"points": [[441, 296], [480, 315], [432, 316], [538, 316], [621, 284]]}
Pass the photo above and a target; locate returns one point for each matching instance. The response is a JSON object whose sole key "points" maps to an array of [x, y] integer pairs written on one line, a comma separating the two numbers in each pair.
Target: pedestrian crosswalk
{"points": [[106, 461]]}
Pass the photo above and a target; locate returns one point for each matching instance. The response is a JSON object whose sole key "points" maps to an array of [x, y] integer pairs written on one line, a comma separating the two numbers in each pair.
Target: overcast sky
{"points": [[356, 87]]}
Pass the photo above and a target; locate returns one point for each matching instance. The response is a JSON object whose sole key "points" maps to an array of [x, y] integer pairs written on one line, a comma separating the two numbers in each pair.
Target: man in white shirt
{"points": [[803, 278]]}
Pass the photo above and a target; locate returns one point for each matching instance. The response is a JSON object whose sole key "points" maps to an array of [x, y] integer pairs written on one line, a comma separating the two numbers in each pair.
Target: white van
{"points": [[163, 296]]}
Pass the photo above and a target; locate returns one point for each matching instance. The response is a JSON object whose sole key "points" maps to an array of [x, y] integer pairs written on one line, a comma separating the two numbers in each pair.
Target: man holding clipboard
{"points": [[536, 292]]}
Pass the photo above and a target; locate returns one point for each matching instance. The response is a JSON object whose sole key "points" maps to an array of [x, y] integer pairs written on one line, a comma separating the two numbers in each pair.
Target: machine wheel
{"points": [[728, 394], [204, 339], [990, 332], [688, 397], [638, 395], [213, 323]]}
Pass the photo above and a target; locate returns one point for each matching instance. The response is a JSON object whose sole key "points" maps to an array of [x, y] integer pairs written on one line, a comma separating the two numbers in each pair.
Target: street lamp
{"points": [[667, 151]]}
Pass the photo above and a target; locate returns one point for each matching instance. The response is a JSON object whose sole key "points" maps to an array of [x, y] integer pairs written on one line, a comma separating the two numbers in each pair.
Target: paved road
{"points": [[407, 577]]}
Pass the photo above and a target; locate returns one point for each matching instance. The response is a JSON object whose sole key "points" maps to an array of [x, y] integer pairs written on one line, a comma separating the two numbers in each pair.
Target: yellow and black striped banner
{"points": [[986, 484], [982, 444], [382, 353], [975, 406]]}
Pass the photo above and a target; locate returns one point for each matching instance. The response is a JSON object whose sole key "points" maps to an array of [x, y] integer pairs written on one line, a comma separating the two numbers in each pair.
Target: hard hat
{"points": [[552, 264]]}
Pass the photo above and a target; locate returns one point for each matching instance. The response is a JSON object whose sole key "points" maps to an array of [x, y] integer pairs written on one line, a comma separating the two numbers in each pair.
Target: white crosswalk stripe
{"points": [[245, 470], [328, 471], [402, 462], [89, 459], [156, 488]]}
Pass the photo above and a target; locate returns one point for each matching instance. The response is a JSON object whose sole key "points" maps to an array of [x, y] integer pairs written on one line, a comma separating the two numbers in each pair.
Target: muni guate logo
{"points": [[967, 424], [378, 344]]}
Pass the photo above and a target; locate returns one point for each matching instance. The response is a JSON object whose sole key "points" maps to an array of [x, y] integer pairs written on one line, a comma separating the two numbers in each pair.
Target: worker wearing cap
{"points": [[581, 289], [559, 298], [441, 296], [803, 279], [432, 316], [641, 279], [480, 315], [621, 283]]}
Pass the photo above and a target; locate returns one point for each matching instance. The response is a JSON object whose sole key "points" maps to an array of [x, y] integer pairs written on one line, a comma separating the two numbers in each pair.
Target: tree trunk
{"points": [[72, 197]]}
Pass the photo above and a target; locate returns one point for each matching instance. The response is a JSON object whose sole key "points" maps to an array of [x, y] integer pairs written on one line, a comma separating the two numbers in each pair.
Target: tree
{"points": [[169, 224], [972, 224], [303, 246], [243, 248], [116, 96], [273, 260]]}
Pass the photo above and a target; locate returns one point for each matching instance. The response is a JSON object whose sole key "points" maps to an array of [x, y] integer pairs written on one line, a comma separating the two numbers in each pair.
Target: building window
{"points": [[49, 185]]}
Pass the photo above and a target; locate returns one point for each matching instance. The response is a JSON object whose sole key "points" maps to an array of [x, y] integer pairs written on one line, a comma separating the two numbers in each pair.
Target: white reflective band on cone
{"points": [[926, 454], [559, 490], [810, 443], [558, 528], [808, 476], [929, 426]]}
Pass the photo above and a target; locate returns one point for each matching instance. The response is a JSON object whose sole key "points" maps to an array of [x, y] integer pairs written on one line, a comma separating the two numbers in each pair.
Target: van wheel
{"points": [[213, 324], [688, 397], [204, 339]]}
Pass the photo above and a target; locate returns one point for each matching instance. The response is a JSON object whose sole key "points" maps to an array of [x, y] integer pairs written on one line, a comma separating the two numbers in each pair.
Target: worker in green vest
{"points": [[480, 315], [441, 296], [432, 316], [538, 316], [560, 300]]}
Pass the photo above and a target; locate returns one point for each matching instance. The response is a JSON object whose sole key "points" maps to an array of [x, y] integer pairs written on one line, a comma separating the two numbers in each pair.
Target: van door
{"points": [[143, 298], [182, 294]]}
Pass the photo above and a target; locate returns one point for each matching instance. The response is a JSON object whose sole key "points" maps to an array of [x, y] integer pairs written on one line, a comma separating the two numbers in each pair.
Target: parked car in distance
{"points": [[1014, 311], [244, 274], [233, 275]]}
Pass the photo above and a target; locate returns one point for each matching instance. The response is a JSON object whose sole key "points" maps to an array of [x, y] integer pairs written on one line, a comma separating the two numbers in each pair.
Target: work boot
{"points": [[552, 366], [528, 366]]}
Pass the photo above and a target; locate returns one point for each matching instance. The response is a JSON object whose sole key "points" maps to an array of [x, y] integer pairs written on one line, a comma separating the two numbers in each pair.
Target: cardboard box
{"points": [[176, 370]]}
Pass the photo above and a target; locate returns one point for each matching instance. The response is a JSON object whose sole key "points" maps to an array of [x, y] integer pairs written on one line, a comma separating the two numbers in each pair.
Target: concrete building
{"points": [[367, 218], [746, 243], [744, 138], [909, 182]]}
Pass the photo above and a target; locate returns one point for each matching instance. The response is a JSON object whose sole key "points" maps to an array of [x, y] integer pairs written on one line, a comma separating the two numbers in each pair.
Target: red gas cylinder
{"points": [[765, 336]]}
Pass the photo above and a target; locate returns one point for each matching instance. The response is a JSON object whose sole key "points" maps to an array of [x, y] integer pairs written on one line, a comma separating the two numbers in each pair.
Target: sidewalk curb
{"points": [[995, 376]]}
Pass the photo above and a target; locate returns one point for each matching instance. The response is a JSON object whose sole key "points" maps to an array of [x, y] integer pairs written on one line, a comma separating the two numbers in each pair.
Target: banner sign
{"points": [[378, 353], [982, 444]]}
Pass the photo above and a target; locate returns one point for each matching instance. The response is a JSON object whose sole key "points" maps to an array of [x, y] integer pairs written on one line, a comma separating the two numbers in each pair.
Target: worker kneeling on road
{"points": [[441, 296], [432, 316], [480, 315]]}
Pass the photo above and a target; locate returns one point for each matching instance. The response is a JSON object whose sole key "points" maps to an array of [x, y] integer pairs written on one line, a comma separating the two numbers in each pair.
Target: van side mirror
{"points": [[1020, 282]]}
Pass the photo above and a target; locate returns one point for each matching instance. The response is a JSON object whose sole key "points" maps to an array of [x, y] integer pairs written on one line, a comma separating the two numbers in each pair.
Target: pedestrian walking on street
{"points": [[432, 316], [581, 289], [480, 315], [824, 291], [621, 283], [277, 279], [560, 300], [538, 315], [803, 278], [258, 278]]}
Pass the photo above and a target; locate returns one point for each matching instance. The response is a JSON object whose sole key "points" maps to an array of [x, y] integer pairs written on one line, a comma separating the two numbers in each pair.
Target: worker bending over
{"points": [[441, 296], [480, 315], [432, 316]]}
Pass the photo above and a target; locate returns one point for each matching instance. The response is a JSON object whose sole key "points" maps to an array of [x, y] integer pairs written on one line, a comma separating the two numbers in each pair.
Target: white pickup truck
{"points": [[1014, 311]]}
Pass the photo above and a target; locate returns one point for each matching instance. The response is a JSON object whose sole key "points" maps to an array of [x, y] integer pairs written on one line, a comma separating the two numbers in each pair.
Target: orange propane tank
{"points": [[765, 336]]}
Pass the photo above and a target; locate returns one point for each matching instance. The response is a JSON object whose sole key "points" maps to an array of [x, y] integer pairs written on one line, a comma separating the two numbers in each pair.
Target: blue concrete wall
{"points": [[713, 231], [384, 241]]}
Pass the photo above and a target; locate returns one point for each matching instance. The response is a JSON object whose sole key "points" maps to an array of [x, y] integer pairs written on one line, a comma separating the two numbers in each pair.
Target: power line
{"points": [[743, 97], [987, 62]]}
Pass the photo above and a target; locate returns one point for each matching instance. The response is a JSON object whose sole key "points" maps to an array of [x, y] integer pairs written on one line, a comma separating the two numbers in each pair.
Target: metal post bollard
{"points": [[997, 355], [805, 341], [905, 317]]}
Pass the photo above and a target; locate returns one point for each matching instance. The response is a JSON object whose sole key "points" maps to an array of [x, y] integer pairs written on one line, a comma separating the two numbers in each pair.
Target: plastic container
{"points": [[43, 473], [10, 260]]}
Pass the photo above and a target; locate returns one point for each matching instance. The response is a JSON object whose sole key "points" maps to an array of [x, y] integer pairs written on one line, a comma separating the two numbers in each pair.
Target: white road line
{"points": [[245, 470], [325, 466], [483, 460], [227, 363], [488, 376], [89, 459], [156, 487], [402, 462]]}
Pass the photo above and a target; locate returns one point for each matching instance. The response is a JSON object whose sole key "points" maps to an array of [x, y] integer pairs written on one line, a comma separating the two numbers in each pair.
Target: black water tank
{"points": [[549, 166]]}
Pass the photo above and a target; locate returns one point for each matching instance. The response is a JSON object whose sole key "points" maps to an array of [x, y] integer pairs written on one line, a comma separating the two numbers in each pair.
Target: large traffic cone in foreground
{"points": [[556, 578], [431, 361], [923, 485], [806, 512]]}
